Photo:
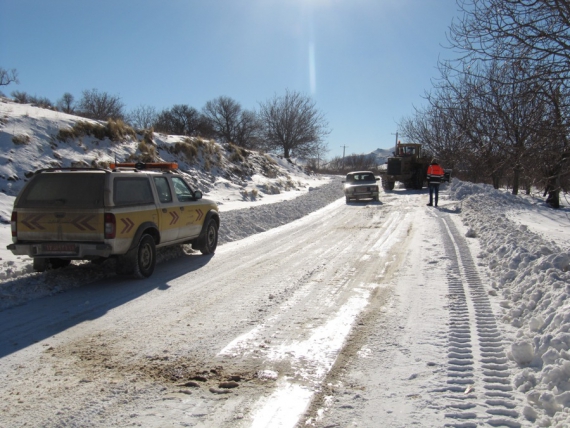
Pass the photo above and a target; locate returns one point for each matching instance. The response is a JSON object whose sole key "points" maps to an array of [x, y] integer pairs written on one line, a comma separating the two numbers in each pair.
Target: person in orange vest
{"points": [[435, 175]]}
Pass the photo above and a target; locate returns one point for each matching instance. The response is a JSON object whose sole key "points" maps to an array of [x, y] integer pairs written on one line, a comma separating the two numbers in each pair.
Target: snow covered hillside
{"points": [[33, 138]]}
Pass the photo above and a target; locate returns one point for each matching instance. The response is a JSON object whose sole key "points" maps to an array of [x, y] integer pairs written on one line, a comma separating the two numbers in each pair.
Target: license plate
{"points": [[59, 249]]}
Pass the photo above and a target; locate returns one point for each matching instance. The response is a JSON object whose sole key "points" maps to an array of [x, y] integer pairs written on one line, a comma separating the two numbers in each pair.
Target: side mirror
{"points": [[197, 194]]}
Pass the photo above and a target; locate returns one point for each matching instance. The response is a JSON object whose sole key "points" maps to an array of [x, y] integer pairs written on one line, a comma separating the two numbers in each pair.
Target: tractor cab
{"points": [[409, 149]]}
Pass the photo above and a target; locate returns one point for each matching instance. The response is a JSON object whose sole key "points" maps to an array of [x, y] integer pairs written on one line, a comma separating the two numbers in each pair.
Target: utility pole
{"points": [[343, 148], [396, 145]]}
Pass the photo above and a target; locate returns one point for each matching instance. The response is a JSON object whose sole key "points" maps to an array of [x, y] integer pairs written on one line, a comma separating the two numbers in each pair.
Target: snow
{"points": [[522, 246], [526, 248]]}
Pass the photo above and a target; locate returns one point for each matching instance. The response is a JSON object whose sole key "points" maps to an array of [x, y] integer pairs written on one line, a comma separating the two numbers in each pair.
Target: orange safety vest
{"points": [[435, 170]]}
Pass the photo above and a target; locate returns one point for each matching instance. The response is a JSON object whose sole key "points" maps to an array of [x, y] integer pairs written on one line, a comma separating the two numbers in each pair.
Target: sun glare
{"points": [[312, 69]]}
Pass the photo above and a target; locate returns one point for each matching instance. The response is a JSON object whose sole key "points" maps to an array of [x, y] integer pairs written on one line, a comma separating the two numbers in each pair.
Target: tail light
{"points": [[14, 224], [110, 226]]}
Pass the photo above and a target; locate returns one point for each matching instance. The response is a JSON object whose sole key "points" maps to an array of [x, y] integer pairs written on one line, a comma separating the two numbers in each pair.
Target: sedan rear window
{"points": [[64, 189], [351, 178]]}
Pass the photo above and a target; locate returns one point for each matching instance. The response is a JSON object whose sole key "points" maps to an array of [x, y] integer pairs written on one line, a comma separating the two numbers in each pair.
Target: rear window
{"points": [[360, 177], [132, 191], [65, 190]]}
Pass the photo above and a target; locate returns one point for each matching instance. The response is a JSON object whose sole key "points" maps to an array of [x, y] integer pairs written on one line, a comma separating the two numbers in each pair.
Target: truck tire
{"points": [[209, 241], [388, 185], [139, 261], [145, 259]]}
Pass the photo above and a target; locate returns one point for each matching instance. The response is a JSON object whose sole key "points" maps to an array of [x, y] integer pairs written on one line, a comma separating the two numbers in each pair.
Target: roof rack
{"points": [[143, 165], [71, 168]]}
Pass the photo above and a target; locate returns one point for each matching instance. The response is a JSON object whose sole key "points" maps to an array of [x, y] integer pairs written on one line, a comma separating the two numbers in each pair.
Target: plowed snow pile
{"points": [[529, 267]]}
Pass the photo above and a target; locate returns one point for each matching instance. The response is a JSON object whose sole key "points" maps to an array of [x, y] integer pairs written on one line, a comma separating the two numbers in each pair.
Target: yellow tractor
{"points": [[408, 165]]}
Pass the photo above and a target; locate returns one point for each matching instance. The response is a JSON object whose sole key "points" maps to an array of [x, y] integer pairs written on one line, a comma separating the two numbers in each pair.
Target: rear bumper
{"points": [[362, 195], [80, 250]]}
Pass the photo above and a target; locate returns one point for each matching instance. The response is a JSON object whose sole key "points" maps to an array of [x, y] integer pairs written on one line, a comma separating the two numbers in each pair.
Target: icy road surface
{"points": [[368, 313]]}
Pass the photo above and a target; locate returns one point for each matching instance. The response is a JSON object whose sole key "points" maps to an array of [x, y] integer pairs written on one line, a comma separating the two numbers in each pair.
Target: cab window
{"points": [[132, 191], [183, 192], [164, 193]]}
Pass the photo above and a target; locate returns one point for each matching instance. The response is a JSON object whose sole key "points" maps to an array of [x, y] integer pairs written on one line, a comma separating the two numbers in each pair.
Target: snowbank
{"points": [[529, 272]]}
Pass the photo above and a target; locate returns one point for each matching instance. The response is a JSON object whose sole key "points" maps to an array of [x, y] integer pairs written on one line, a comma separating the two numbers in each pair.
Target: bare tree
{"points": [[292, 124], [65, 103], [231, 123], [100, 106], [516, 30], [8, 76], [223, 115], [142, 117], [502, 108], [318, 158], [181, 119], [360, 162], [248, 130], [553, 155]]}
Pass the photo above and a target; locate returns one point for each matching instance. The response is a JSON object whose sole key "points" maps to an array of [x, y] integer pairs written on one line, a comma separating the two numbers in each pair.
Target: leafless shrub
{"points": [[20, 140], [114, 130], [188, 147]]}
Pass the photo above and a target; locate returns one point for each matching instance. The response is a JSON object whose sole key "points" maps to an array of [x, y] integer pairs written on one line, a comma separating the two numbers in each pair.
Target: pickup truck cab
{"points": [[124, 212]]}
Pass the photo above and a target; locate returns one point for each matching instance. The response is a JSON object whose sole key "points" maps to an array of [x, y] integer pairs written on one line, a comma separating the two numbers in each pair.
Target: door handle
{"points": [[164, 210], [181, 208]]}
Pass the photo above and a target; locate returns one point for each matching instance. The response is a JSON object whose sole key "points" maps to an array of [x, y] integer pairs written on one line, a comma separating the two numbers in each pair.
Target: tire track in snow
{"points": [[477, 362]]}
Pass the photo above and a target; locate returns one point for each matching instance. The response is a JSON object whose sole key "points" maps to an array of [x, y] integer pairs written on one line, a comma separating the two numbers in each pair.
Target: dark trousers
{"points": [[433, 188]]}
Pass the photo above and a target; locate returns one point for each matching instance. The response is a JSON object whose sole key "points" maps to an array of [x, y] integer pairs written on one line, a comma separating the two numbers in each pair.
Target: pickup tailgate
{"points": [[61, 206], [43, 225]]}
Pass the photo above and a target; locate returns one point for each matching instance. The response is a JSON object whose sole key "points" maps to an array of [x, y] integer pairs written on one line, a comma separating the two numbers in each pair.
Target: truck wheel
{"points": [[347, 199], [40, 265], [388, 186], [144, 258], [209, 242]]}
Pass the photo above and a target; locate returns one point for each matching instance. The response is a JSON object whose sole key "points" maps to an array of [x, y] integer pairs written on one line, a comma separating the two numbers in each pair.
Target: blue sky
{"points": [[366, 63]]}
